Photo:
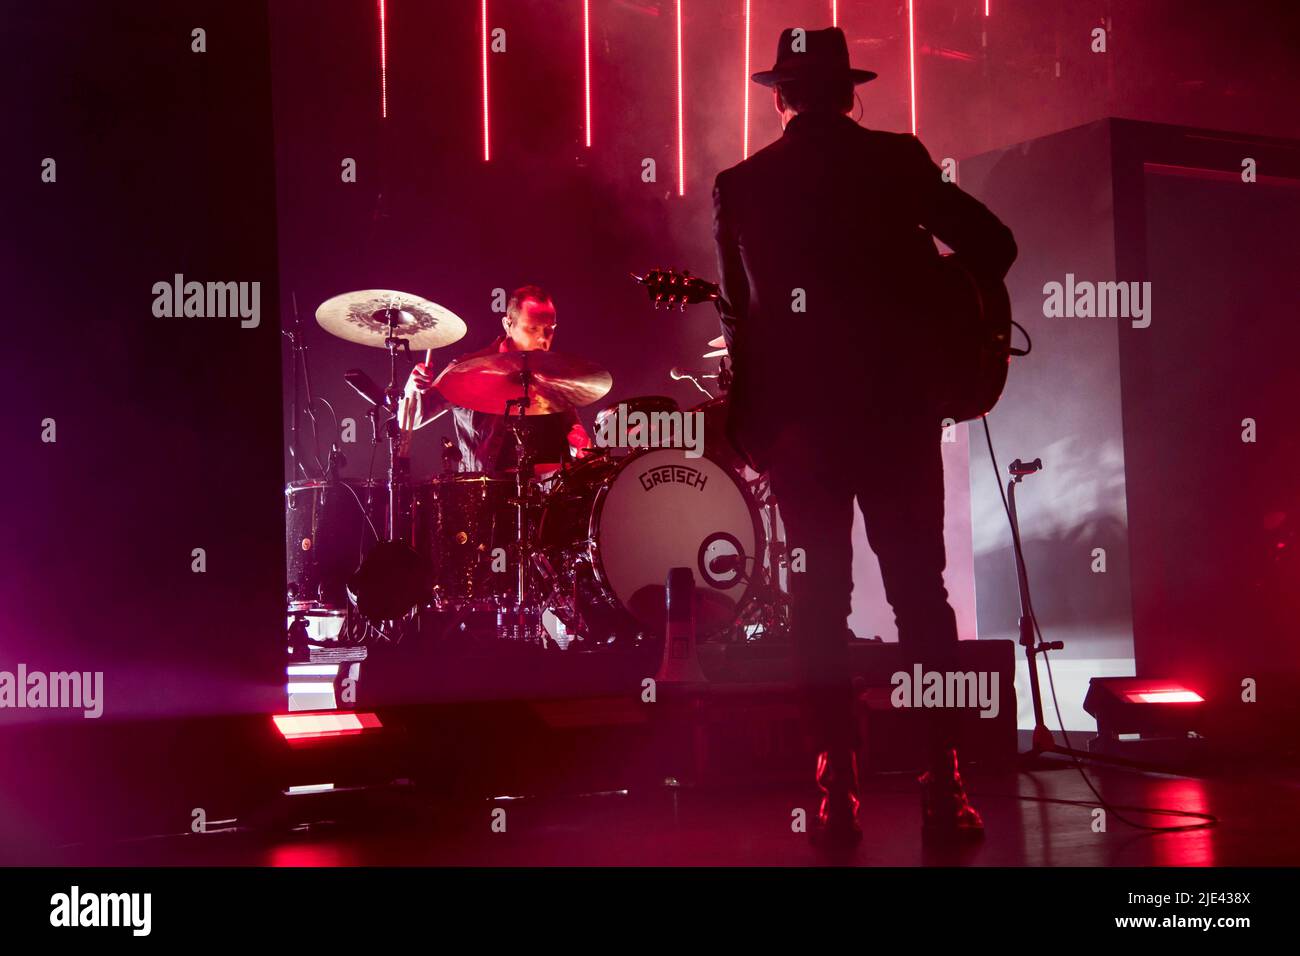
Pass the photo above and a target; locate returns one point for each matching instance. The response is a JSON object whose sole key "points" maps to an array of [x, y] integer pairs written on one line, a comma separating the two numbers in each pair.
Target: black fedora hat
{"points": [[811, 54]]}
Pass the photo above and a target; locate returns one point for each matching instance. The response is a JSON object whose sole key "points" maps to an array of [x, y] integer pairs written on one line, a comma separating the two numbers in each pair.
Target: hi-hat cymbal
{"points": [[363, 317], [559, 382], [717, 348]]}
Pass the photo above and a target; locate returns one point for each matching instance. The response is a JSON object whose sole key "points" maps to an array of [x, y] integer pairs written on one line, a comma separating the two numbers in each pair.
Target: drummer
{"points": [[487, 444]]}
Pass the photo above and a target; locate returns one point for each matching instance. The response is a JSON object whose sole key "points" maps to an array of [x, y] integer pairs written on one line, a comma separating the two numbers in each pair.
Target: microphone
{"points": [[365, 386], [678, 373], [450, 456], [726, 562], [336, 459]]}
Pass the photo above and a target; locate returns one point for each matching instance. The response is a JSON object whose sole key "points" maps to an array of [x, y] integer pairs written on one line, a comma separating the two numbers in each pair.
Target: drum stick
{"points": [[408, 411]]}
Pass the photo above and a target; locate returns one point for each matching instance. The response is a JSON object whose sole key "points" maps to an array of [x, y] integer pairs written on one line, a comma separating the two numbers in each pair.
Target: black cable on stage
{"points": [[1208, 818], [338, 431], [362, 508]]}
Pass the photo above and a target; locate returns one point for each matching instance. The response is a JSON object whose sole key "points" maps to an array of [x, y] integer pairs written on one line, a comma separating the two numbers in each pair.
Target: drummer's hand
{"points": [[423, 377], [579, 440]]}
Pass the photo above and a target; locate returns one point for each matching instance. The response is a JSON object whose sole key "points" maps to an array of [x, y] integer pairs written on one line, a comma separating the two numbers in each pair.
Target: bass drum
{"points": [[656, 510]]}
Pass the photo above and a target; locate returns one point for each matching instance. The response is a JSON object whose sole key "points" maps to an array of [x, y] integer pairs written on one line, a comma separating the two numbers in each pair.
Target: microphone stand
{"points": [[393, 578], [1043, 742], [298, 353]]}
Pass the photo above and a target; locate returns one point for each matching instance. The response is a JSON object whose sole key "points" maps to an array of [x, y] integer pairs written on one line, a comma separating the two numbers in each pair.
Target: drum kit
{"points": [[571, 560]]}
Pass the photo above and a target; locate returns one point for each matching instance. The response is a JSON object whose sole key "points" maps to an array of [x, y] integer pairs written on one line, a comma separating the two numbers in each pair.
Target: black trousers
{"points": [[895, 476]]}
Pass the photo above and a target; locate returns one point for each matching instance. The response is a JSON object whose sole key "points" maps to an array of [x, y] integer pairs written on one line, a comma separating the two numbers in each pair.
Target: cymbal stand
{"points": [[523, 486], [398, 469]]}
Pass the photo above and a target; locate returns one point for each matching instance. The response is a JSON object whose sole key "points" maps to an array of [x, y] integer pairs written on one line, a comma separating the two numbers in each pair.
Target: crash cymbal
{"points": [[362, 317], [559, 382]]}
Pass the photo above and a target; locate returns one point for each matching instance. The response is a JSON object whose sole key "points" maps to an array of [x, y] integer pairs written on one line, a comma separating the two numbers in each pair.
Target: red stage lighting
{"points": [[744, 149], [1139, 705], [586, 63], [681, 148], [1164, 697], [315, 725], [911, 62], [383, 62], [487, 144]]}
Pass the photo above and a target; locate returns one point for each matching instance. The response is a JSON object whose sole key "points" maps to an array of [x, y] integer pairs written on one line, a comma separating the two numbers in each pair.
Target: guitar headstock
{"points": [[675, 288]]}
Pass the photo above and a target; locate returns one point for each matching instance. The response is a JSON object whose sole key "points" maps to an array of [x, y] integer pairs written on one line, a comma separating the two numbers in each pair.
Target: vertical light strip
{"points": [[383, 62], [911, 62], [744, 150], [986, 8], [835, 14], [487, 142], [586, 62], [681, 146]]}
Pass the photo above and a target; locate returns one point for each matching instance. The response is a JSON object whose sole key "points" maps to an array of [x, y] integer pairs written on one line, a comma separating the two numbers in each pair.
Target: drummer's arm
{"points": [[429, 403]]}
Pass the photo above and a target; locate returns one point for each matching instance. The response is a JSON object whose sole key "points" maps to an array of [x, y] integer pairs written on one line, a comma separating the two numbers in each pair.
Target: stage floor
{"points": [[1039, 818]]}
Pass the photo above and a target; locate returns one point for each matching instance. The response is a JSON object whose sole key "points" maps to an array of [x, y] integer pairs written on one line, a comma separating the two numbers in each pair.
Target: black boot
{"points": [[946, 812], [837, 819]]}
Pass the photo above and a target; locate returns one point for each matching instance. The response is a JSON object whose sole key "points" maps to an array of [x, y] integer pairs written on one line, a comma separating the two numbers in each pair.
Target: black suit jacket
{"points": [[825, 249]]}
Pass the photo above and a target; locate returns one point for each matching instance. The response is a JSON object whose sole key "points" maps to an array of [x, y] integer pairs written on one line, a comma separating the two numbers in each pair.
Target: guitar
{"points": [[680, 289], [972, 326]]}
